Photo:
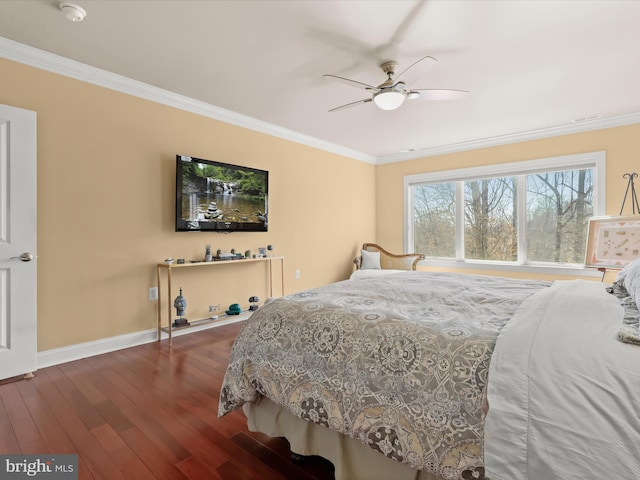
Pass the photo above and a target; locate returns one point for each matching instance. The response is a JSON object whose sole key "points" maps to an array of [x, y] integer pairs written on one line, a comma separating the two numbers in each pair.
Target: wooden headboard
{"points": [[391, 261]]}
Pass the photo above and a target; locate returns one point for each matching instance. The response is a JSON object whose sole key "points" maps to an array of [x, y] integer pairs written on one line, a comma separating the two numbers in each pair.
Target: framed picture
{"points": [[613, 242]]}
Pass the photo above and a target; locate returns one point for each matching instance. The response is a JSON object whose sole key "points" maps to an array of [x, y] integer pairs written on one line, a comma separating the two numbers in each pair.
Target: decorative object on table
{"points": [[270, 248], [262, 252], [247, 254], [168, 261], [212, 310], [180, 261], [207, 253], [254, 303], [180, 304], [233, 251], [234, 309]]}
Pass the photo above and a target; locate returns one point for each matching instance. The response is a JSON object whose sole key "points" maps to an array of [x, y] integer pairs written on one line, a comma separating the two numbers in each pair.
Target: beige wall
{"points": [[106, 183], [106, 165], [621, 145]]}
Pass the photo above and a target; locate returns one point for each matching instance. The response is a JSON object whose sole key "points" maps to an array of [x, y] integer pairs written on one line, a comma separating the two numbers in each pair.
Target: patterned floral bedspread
{"points": [[399, 361]]}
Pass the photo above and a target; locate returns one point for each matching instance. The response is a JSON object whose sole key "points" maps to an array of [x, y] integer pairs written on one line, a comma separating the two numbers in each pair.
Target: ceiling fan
{"points": [[392, 93]]}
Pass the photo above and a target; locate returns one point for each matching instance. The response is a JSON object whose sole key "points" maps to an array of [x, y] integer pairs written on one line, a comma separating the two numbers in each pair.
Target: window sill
{"points": [[569, 270]]}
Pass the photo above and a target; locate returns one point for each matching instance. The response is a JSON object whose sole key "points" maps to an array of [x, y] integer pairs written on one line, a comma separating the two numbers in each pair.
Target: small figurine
{"points": [[254, 303], [180, 304], [234, 309]]}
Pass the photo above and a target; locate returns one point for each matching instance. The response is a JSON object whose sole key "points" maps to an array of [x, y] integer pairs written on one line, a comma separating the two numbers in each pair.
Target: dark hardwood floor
{"points": [[147, 412]]}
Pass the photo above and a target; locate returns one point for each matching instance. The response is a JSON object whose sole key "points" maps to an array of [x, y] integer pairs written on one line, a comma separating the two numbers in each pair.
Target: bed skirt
{"points": [[352, 460]]}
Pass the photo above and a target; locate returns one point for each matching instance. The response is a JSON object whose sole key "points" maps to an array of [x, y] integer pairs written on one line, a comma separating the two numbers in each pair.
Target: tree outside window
{"points": [[559, 205], [490, 219], [480, 216], [434, 218]]}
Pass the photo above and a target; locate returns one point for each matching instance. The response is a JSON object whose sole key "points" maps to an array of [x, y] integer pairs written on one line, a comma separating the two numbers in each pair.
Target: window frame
{"points": [[594, 160]]}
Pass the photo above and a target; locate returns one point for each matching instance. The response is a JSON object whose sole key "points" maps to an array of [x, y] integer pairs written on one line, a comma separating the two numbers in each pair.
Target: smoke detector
{"points": [[73, 12]]}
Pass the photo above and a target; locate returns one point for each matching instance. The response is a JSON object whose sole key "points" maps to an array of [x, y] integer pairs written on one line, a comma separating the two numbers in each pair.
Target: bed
{"points": [[429, 376]]}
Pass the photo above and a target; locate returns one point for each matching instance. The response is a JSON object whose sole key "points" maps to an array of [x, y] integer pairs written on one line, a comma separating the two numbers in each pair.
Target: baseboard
{"points": [[56, 356]]}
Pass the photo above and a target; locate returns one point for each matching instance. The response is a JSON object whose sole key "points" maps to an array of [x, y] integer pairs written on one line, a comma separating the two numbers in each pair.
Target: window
{"points": [[525, 213]]}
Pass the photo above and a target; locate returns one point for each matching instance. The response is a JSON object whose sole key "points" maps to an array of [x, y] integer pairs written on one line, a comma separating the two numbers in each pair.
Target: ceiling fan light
{"points": [[389, 99]]}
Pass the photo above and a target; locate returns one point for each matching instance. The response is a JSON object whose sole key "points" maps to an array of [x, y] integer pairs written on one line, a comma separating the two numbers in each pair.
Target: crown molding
{"points": [[34, 57], [43, 60], [547, 132]]}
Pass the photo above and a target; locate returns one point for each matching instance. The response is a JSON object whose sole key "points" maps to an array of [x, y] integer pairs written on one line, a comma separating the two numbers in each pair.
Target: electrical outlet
{"points": [[153, 293], [298, 274]]}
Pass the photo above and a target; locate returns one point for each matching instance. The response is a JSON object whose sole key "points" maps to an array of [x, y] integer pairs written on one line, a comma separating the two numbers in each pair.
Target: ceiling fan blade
{"points": [[352, 83], [352, 104], [434, 94], [416, 70]]}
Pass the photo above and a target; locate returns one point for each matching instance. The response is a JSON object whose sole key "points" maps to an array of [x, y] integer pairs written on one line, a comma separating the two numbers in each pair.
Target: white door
{"points": [[18, 325]]}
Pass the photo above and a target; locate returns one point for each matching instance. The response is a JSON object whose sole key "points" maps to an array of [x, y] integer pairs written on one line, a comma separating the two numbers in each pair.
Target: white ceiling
{"points": [[531, 66]]}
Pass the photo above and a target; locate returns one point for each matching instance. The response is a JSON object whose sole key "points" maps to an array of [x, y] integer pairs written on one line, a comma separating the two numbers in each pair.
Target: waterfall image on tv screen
{"points": [[216, 196]]}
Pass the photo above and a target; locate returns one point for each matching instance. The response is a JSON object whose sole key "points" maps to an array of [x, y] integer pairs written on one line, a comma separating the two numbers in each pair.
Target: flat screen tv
{"points": [[213, 196]]}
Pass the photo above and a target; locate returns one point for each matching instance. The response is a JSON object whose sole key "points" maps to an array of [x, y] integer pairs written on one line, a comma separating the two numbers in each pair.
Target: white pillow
{"points": [[630, 278], [370, 260]]}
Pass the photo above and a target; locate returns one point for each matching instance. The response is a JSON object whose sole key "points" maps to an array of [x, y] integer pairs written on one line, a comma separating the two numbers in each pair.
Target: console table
{"points": [[168, 268]]}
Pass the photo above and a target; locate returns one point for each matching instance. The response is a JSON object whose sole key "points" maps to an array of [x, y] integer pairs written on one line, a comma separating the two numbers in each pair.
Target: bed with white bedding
{"points": [[564, 395], [386, 375]]}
